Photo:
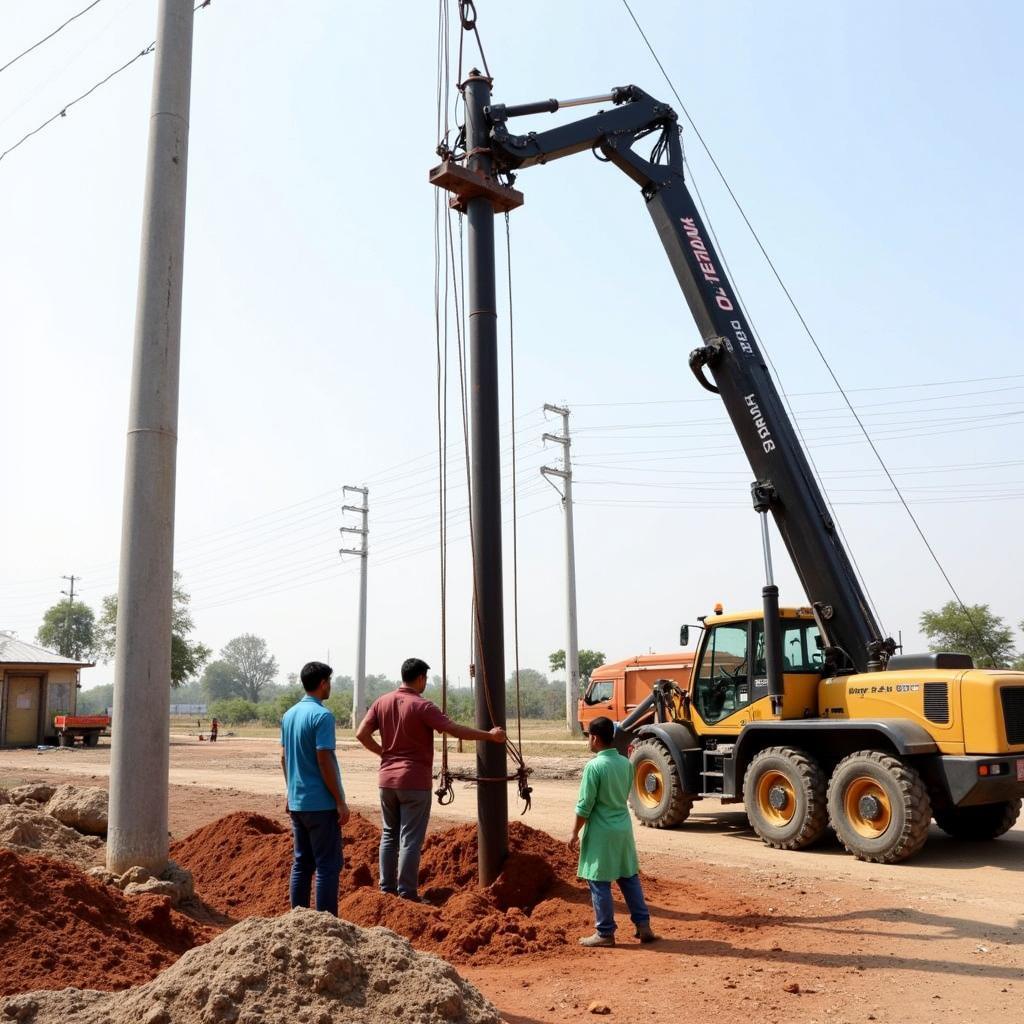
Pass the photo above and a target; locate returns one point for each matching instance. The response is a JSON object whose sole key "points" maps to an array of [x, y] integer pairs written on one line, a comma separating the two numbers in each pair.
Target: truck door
{"points": [[599, 699]]}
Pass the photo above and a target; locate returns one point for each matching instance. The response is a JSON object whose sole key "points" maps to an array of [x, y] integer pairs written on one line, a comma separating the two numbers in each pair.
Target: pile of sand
{"points": [[59, 927], [304, 967], [241, 865], [83, 808], [29, 830]]}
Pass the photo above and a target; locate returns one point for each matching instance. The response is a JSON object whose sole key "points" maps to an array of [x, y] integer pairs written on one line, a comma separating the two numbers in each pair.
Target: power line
{"points": [[78, 99], [34, 46]]}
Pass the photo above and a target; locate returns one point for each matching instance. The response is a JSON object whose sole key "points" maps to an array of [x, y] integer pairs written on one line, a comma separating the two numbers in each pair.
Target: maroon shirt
{"points": [[406, 722]]}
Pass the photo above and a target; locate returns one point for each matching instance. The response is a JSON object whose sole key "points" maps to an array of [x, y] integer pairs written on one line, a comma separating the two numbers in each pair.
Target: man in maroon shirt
{"points": [[407, 721]]}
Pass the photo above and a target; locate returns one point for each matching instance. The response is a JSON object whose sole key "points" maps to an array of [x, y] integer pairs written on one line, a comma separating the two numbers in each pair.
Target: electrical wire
{"points": [[45, 39], [88, 92]]}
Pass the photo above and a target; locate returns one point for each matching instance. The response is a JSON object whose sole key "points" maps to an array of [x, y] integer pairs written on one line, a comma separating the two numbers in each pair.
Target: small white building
{"points": [[35, 685]]}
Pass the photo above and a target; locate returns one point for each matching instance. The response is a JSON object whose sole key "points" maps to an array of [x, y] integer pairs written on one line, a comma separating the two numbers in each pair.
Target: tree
{"points": [[589, 660], [96, 700], [976, 631], [69, 629], [221, 682], [187, 657], [253, 665]]}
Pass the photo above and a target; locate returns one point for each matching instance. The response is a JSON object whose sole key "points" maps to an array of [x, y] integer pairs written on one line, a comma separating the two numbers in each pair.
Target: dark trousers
{"points": [[317, 836], [405, 814], [604, 911]]}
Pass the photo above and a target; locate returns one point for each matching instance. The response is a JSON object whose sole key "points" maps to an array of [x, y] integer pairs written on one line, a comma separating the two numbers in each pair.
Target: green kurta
{"points": [[607, 849]]}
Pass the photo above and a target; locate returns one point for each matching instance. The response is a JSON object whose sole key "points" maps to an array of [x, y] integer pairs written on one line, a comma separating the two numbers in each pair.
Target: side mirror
{"points": [[684, 636]]}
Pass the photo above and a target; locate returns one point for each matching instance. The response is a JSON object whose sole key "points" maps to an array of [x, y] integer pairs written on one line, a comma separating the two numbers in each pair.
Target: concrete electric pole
{"points": [[572, 655], [359, 685], [142, 663], [70, 595]]}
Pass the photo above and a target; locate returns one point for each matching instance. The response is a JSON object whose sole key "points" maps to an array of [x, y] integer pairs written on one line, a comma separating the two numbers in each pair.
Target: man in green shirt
{"points": [[608, 851]]}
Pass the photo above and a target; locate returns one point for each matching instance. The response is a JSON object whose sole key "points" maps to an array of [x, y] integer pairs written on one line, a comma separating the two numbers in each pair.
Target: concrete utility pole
{"points": [[142, 663], [70, 595], [359, 685], [572, 654]]}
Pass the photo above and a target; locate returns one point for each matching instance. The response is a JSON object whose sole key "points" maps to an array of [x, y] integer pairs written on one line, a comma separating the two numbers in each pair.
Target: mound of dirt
{"points": [[303, 966], [39, 792], [59, 927], [83, 808], [27, 830], [241, 865]]}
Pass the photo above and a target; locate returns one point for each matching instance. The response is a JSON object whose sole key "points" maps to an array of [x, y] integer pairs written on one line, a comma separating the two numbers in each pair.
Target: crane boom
{"points": [[730, 353]]}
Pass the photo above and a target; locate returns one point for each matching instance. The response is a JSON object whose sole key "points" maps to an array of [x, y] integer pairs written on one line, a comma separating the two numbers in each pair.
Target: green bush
{"points": [[234, 711]]}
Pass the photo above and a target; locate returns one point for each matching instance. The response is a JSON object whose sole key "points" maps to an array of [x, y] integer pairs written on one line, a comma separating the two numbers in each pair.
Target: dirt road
{"points": [[939, 939]]}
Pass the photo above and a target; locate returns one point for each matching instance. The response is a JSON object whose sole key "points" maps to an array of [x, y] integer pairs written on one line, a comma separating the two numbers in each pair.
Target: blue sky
{"points": [[875, 148]]}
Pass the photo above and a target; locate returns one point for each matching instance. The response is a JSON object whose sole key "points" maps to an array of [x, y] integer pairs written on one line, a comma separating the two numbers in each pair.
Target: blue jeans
{"points": [[317, 836], [405, 814], [604, 911]]}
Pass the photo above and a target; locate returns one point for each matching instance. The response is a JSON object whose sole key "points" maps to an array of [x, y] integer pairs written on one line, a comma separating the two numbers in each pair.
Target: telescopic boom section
{"points": [[729, 353]]}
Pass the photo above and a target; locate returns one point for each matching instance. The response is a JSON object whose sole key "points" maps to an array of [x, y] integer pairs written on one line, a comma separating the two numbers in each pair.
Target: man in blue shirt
{"points": [[316, 800]]}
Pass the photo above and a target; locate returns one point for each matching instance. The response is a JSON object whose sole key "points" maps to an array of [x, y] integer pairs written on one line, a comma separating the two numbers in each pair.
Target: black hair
{"points": [[603, 728], [313, 674], [413, 668]]}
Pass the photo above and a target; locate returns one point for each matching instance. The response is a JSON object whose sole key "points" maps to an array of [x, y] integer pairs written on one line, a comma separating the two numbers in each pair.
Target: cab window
{"points": [[599, 692], [722, 679], [800, 651]]}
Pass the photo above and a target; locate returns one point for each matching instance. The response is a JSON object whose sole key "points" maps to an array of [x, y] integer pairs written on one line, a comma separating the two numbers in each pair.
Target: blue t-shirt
{"points": [[306, 728]]}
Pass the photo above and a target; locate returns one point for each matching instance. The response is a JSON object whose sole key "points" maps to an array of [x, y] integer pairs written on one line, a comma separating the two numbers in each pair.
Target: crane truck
{"points": [[805, 714]]}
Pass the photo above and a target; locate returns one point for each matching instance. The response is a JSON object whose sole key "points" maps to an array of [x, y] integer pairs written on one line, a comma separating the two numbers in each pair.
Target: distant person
{"points": [[316, 799], [608, 850], [407, 721], [214, 726]]}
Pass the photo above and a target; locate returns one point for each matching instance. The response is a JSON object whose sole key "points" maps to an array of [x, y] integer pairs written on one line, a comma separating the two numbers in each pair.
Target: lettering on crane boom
{"points": [[704, 263], [759, 424]]}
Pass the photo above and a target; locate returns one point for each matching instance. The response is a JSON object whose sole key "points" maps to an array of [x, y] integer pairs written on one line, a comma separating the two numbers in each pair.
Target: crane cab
{"points": [[730, 683]]}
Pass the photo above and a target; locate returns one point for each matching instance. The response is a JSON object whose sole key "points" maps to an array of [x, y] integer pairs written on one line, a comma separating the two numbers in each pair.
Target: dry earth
{"points": [[938, 940]]}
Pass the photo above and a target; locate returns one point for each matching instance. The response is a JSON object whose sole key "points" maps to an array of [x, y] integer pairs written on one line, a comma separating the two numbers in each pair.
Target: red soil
{"points": [[59, 927], [241, 865]]}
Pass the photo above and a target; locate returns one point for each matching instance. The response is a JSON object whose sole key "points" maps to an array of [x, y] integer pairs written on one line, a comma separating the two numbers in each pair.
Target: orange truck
{"points": [[85, 727], [616, 688]]}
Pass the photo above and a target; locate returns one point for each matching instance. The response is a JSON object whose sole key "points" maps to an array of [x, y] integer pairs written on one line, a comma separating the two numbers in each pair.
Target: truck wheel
{"points": [[92, 739], [657, 796], [986, 821], [879, 807], [784, 795]]}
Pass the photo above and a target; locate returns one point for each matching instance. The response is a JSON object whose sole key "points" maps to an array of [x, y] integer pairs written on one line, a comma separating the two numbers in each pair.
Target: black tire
{"points": [[656, 796], [986, 821], [784, 796], [92, 739], [879, 807]]}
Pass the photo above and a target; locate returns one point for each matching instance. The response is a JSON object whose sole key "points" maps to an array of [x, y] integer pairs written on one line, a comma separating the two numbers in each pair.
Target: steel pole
{"points": [[485, 499], [142, 664]]}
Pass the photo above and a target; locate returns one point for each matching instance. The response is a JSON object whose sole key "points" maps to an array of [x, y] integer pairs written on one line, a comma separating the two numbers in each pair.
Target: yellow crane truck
{"points": [[806, 714]]}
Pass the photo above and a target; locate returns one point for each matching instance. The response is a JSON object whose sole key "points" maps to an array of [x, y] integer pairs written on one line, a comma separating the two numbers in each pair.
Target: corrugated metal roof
{"points": [[17, 652]]}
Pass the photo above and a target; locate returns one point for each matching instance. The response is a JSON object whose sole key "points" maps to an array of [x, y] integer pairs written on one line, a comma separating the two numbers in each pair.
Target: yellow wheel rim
{"points": [[867, 806], [650, 783], [776, 798]]}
